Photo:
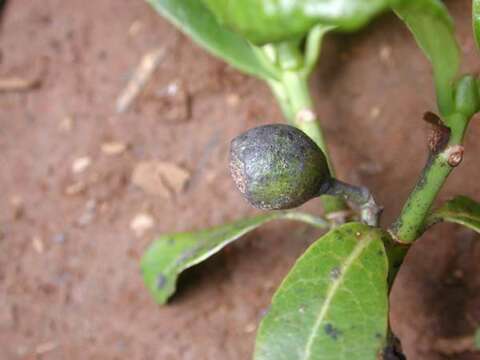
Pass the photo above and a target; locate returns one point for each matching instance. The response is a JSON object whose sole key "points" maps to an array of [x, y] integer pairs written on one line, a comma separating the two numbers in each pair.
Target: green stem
{"points": [[282, 99], [293, 95], [296, 87], [410, 224], [297, 105]]}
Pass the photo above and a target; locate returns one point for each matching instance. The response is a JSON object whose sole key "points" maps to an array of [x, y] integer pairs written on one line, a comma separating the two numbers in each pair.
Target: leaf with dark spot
{"points": [[161, 281], [171, 254], [335, 273], [331, 331], [339, 314]]}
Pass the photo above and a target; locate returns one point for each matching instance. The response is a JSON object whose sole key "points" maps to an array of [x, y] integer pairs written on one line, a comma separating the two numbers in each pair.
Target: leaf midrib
{"points": [[362, 245], [461, 215]]}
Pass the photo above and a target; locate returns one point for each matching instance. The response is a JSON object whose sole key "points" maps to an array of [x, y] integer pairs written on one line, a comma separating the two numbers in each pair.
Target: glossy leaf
{"points": [[334, 302], [476, 20], [267, 21], [433, 29], [171, 254], [195, 20], [460, 210]]}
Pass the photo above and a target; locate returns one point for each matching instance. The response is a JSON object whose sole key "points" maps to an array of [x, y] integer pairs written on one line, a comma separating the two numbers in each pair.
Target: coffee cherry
{"points": [[278, 167]]}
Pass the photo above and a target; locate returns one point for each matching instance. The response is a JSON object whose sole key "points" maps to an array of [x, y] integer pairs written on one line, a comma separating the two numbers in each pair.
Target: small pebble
{"points": [[174, 101], [18, 207], [250, 328], [38, 244], [135, 28], [172, 89], [385, 53], [66, 125], [114, 148], [81, 164], [233, 100], [75, 188], [375, 112], [141, 223]]}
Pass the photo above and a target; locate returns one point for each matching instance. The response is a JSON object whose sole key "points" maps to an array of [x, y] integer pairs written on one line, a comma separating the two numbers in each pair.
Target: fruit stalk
{"points": [[359, 195]]}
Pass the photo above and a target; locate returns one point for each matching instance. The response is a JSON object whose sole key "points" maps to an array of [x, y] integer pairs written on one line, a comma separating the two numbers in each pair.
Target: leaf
{"points": [[195, 20], [313, 45], [433, 29], [334, 302], [171, 254], [460, 210], [476, 21], [269, 21]]}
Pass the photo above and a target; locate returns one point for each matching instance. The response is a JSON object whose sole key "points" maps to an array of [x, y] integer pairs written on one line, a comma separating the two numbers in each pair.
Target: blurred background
{"points": [[96, 96]]}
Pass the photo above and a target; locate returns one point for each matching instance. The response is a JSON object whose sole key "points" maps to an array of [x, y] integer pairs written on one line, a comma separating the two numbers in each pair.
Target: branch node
{"points": [[396, 239], [439, 134], [361, 196], [454, 155], [305, 116]]}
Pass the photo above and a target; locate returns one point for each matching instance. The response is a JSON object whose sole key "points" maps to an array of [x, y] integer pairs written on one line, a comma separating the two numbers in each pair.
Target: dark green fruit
{"points": [[278, 167]]}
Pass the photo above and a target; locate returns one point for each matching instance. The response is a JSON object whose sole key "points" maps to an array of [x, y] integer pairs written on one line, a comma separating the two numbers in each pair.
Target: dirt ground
{"points": [[71, 236]]}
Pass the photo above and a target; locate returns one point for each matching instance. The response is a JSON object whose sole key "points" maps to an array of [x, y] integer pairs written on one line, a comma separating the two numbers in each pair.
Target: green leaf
{"points": [[268, 21], [460, 210], [195, 20], [433, 29], [333, 304], [171, 254], [313, 46], [476, 20]]}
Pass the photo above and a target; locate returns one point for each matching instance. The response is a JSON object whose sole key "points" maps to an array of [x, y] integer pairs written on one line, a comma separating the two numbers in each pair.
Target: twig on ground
{"points": [[13, 84], [140, 77]]}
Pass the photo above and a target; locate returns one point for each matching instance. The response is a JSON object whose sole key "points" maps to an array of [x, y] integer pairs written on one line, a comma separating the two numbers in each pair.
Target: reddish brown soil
{"points": [[69, 277]]}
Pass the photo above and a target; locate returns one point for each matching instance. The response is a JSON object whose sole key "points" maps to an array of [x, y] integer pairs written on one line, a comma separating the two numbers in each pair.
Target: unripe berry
{"points": [[278, 167]]}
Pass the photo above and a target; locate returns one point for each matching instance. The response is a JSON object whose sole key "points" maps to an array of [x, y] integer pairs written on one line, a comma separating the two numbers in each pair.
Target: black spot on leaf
{"points": [[335, 273], [331, 331], [161, 281]]}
